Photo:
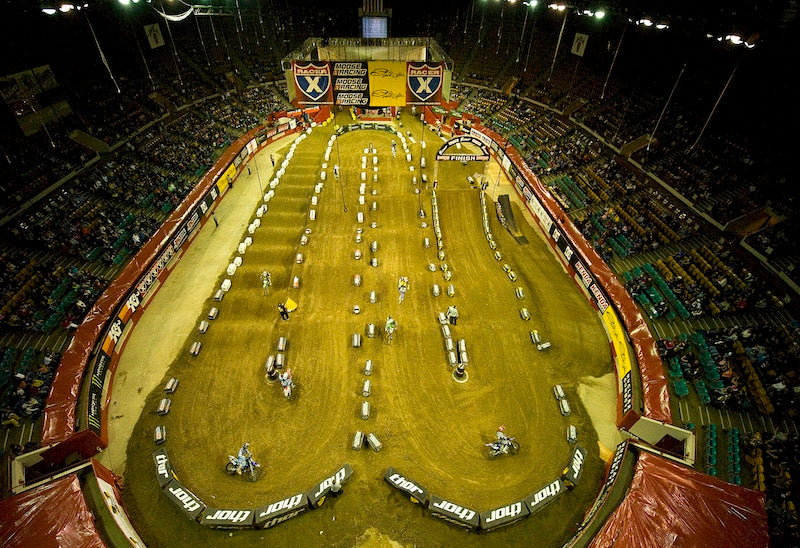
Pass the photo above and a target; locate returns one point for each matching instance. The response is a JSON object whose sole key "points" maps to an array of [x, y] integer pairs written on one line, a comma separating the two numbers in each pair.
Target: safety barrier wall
{"points": [[602, 284], [103, 327]]}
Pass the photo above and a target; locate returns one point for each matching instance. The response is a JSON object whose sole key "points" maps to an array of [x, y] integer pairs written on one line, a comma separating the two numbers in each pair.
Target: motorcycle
{"points": [[504, 447], [246, 466], [288, 385]]}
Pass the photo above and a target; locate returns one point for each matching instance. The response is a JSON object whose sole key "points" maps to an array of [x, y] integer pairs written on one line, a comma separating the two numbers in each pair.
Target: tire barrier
{"points": [[194, 350], [374, 442], [357, 280], [366, 390], [524, 314], [260, 517], [373, 297], [368, 367], [213, 312], [358, 440], [519, 293], [356, 340], [160, 434], [171, 386], [203, 327], [365, 410], [219, 295], [163, 406], [500, 516], [415, 492], [226, 285], [283, 344], [435, 290], [572, 434], [371, 330]]}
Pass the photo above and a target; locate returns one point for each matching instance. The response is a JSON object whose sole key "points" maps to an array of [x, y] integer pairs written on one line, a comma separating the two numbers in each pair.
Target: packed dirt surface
{"points": [[433, 429]]}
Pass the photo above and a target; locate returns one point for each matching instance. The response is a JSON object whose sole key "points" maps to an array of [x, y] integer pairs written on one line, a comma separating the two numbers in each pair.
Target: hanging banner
{"points": [[387, 83], [350, 84], [154, 35], [312, 81], [579, 44], [424, 83]]}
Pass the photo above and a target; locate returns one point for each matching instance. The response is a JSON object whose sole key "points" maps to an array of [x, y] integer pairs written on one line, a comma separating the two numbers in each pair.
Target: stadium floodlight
{"points": [[645, 21], [66, 7], [599, 14], [532, 4], [49, 11], [557, 7], [124, 2], [734, 39], [662, 26]]}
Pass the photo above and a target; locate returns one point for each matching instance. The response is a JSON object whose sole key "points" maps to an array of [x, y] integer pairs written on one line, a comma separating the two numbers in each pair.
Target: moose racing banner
{"points": [[351, 84], [424, 83]]}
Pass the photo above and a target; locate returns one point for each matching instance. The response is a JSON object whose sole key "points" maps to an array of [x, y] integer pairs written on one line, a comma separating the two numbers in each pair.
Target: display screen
{"points": [[374, 27]]}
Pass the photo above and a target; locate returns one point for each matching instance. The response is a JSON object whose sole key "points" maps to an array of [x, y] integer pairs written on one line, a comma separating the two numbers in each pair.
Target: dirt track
{"points": [[433, 428]]}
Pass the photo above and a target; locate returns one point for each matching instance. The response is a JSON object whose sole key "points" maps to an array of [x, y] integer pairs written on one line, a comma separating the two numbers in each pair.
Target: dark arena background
{"points": [[363, 237]]}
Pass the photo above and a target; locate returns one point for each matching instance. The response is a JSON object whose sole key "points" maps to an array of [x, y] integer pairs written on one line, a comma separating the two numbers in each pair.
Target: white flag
{"points": [[154, 36], [579, 44]]}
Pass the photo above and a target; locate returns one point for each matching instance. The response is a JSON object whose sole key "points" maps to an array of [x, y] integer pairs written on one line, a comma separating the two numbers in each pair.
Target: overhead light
{"points": [[124, 2], [662, 26], [66, 7], [49, 11], [599, 14], [734, 39], [531, 3], [557, 7], [645, 21]]}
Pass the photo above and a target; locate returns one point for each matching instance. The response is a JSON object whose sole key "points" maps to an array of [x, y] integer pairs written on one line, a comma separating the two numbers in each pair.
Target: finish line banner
{"points": [[368, 83]]}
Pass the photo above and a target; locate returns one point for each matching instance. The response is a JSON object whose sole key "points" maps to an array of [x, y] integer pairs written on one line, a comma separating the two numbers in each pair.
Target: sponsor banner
{"points": [[113, 335], [424, 83], [622, 359], [223, 518], [113, 502], [252, 146], [146, 281], [387, 83], [280, 510], [350, 84], [316, 496], [545, 496], [130, 306], [185, 500], [164, 471], [504, 515], [572, 473], [611, 478], [312, 81], [417, 493], [441, 154], [225, 179], [454, 513], [94, 416]]}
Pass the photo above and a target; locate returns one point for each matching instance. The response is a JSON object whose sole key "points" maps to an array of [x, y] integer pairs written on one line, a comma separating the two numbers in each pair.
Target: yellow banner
{"points": [[227, 177], [387, 83], [618, 341]]}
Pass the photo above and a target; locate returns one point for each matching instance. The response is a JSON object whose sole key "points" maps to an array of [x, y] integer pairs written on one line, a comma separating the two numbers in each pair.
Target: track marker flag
{"points": [[579, 44], [154, 35], [290, 305]]}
